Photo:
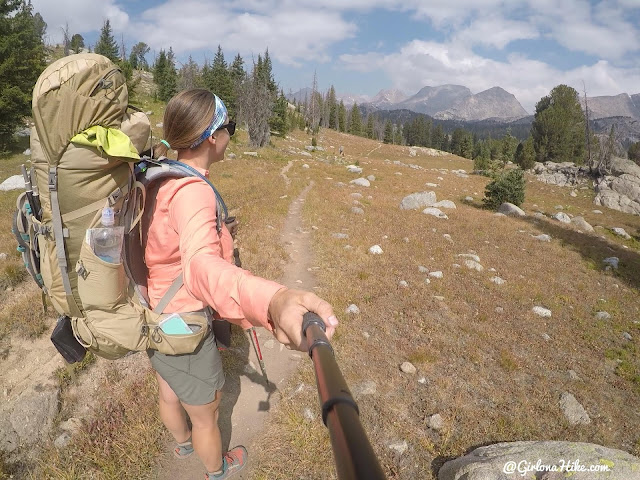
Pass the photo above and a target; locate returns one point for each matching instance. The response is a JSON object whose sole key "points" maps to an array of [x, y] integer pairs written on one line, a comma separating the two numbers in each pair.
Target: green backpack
{"points": [[84, 157]]}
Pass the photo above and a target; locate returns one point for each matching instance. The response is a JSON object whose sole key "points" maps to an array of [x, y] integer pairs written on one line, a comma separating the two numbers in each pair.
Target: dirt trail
{"points": [[247, 399]]}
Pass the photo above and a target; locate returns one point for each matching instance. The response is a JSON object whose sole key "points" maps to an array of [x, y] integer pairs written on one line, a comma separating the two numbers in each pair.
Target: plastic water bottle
{"points": [[107, 241]]}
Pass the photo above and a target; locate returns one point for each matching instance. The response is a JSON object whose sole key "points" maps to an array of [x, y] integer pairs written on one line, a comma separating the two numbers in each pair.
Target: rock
{"points": [[361, 182], [310, 148], [355, 195], [435, 212], [352, 309], [582, 224], [340, 235], [602, 315], [435, 422], [511, 210], [573, 411], [439, 298], [502, 461], [627, 336], [412, 152], [15, 182], [541, 311], [562, 174], [368, 387], [448, 238], [559, 207], [33, 415], [375, 250], [159, 125], [418, 200], [399, 447], [573, 193], [371, 178], [357, 210], [354, 169], [472, 256], [498, 280], [445, 204], [304, 154], [437, 274], [468, 199], [403, 284], [230, 156], [62, 441], [3, 256], [620, 190], [305, 165], [546, 337], [407, 367], [309, 415], [597, 212], [499, 310], [432, 185], [611, 262], [473, 265], [573, 375], [621, 232], [71, 425], [562, 217], [423, 269], [542, 237], [251, 154], [366, 335]]}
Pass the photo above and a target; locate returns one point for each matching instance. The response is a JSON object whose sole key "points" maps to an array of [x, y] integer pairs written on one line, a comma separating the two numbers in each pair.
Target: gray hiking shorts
{"points": [[194, 377]]}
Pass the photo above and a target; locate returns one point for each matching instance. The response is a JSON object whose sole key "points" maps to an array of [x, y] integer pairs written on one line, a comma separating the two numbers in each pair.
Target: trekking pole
{"points": [[29, 189], [256, 348], [353, 454]]}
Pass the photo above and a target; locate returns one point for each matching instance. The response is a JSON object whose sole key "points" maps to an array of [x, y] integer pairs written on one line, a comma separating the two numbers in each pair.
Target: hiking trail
{"points": [[246, 398]]}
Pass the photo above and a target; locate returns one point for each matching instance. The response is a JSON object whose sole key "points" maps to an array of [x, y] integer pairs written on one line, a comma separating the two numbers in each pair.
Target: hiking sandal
{"points": [[184, 449], [232, 462]]}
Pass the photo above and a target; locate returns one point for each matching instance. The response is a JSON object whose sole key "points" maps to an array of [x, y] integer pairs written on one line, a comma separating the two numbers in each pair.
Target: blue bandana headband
{"points": [[218, 120]]}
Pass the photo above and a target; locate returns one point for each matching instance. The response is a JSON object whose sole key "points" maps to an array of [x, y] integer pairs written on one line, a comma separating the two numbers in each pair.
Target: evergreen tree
{"points": [[634, 152], [279, 121], [107, 45], [137, 57], [267, 74], [22, 59], [256, 106], [525, 155], [189, 75], [333, 108], [219, 79], [165, 75], [237, 76], [77, 43], [342, 117], [355, 120], [437, 138], [388, 132], [558, 127], [370, 130], [509, 143]]}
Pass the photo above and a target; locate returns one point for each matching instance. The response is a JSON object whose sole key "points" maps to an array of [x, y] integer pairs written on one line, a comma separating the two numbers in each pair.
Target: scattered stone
{"points": [[353, 309], [621, 232], [445, 204], [543, 237], [439, 297], [435, 422], [368, 387], [546, 337], [435, 212], [62, 441], [562, 217], [418, 200], [361, 182], [304, 154], [305, 165], [375, 250], [573, 193], [251, 154], [407, 367], [15, 182], [498, 214], [559, 207], [448, 238], [230, 156], [159, 125], [627, 336], [405, 239], [597, 212], [511, 210], [371, 178], [340, 235], [611, 262], [309, 416], [366, 335], [403, 284], [472, 256], [541, 311], [582, 224], [422, 381], [573, 375], [356, 195], [602, 315], [499, 310], [354, 169], [3, 256], [473, 265], [498, 280], [357, 210], [437, 274], [27, 152], [573, 411], [468, 199], [432, 185], [427, 281], [399, 447], [456, 265], [271, 343]]}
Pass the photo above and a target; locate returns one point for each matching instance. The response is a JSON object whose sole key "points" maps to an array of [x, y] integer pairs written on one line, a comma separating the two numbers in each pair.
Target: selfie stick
{"points": [[353, 454]]}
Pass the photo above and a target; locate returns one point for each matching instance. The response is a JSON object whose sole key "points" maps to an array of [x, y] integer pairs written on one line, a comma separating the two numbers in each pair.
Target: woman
{"points": [[182, 238]]}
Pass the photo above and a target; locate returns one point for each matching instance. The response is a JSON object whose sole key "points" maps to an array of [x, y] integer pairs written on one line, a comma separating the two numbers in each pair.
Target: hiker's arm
{"points": [[234, 293]]}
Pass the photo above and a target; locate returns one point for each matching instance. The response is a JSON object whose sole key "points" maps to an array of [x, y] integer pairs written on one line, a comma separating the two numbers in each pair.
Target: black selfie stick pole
{"points": [[353, 454]]}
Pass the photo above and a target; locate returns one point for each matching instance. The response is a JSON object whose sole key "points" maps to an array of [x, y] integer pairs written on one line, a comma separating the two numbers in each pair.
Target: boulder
{"points": [[418, 200], [361, 182], [15, 182], [582, 224], [436, 212], [562, 217], [621, 189], [511, 460], [445, 204], [511, 210]]}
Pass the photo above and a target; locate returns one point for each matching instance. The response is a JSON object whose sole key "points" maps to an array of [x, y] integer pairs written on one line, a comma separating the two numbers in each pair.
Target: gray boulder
{"points": [[621, 189], [573, 410], [361, 182], [582, 224], [511, 460], [418, 200], [511, 210], [562, 217], [14, 182]]}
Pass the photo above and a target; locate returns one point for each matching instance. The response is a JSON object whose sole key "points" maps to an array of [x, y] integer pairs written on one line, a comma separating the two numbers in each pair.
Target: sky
{"points": [[360, 47]]}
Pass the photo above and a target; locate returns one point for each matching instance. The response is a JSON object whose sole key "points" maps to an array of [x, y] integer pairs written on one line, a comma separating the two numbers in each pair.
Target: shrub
{"points": [[507, 186], [314, 142]]}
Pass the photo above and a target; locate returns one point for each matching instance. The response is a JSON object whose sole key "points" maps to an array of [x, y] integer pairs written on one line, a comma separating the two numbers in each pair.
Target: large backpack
{"points": [[84, 157]]}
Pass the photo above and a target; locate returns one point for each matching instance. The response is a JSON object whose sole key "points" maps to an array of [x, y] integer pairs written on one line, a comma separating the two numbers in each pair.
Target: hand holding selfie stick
{"points": [[353, 454]]}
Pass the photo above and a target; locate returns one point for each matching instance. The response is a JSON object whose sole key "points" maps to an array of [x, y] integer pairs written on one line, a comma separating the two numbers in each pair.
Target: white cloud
{"points": [[82, 16], [495, 31]]}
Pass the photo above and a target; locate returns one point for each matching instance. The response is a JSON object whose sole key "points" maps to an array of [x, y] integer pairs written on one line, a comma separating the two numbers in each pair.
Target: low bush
{"points": [[506, 186]]}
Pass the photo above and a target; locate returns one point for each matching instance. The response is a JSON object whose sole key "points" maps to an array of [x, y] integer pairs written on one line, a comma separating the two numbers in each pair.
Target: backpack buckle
{"points": [[53, 181]]}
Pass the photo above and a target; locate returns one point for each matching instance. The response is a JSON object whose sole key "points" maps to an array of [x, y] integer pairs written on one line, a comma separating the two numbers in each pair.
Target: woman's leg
{"points": [[172, 413], [205, 433]]}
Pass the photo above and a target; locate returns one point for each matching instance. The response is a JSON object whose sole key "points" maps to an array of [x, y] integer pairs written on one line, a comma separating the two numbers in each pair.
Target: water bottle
{"points": [[107, 241]]}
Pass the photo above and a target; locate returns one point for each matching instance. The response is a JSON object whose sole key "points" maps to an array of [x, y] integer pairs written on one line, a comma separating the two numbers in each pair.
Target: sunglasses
{"points": [[231, 127]]}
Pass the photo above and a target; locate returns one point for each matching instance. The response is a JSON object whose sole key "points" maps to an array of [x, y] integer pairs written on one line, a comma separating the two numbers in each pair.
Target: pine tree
{"points": [[107, 45], [342, 117], [137, 57], [370, 131], [525, 156], [219, 80], [388, 132], [355, 120], [279, 121], [77, 43], [22, 59], [237, 76], [165, 75], [189, 75], [333, 108]]}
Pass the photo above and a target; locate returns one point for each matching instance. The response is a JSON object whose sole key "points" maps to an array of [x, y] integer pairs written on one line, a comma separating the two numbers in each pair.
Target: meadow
{"points": [[492, 369]]}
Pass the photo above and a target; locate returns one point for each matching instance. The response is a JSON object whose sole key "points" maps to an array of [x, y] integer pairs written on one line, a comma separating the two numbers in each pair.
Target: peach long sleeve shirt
{"points": [[182, 237]]}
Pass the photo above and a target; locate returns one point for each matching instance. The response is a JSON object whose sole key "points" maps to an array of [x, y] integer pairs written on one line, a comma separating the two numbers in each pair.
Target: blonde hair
{"points": [[187, 115]]}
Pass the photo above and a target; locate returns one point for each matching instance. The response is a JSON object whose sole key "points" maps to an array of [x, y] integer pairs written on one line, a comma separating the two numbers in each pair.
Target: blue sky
{"points": [[362, 46]]}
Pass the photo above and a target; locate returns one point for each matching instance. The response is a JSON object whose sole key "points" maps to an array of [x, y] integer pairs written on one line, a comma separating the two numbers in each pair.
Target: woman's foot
{"points": [[232, 462], [184, 449]]}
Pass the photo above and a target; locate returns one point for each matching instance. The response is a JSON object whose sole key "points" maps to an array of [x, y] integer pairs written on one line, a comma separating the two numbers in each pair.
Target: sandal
{"points": [[184, 449]]}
